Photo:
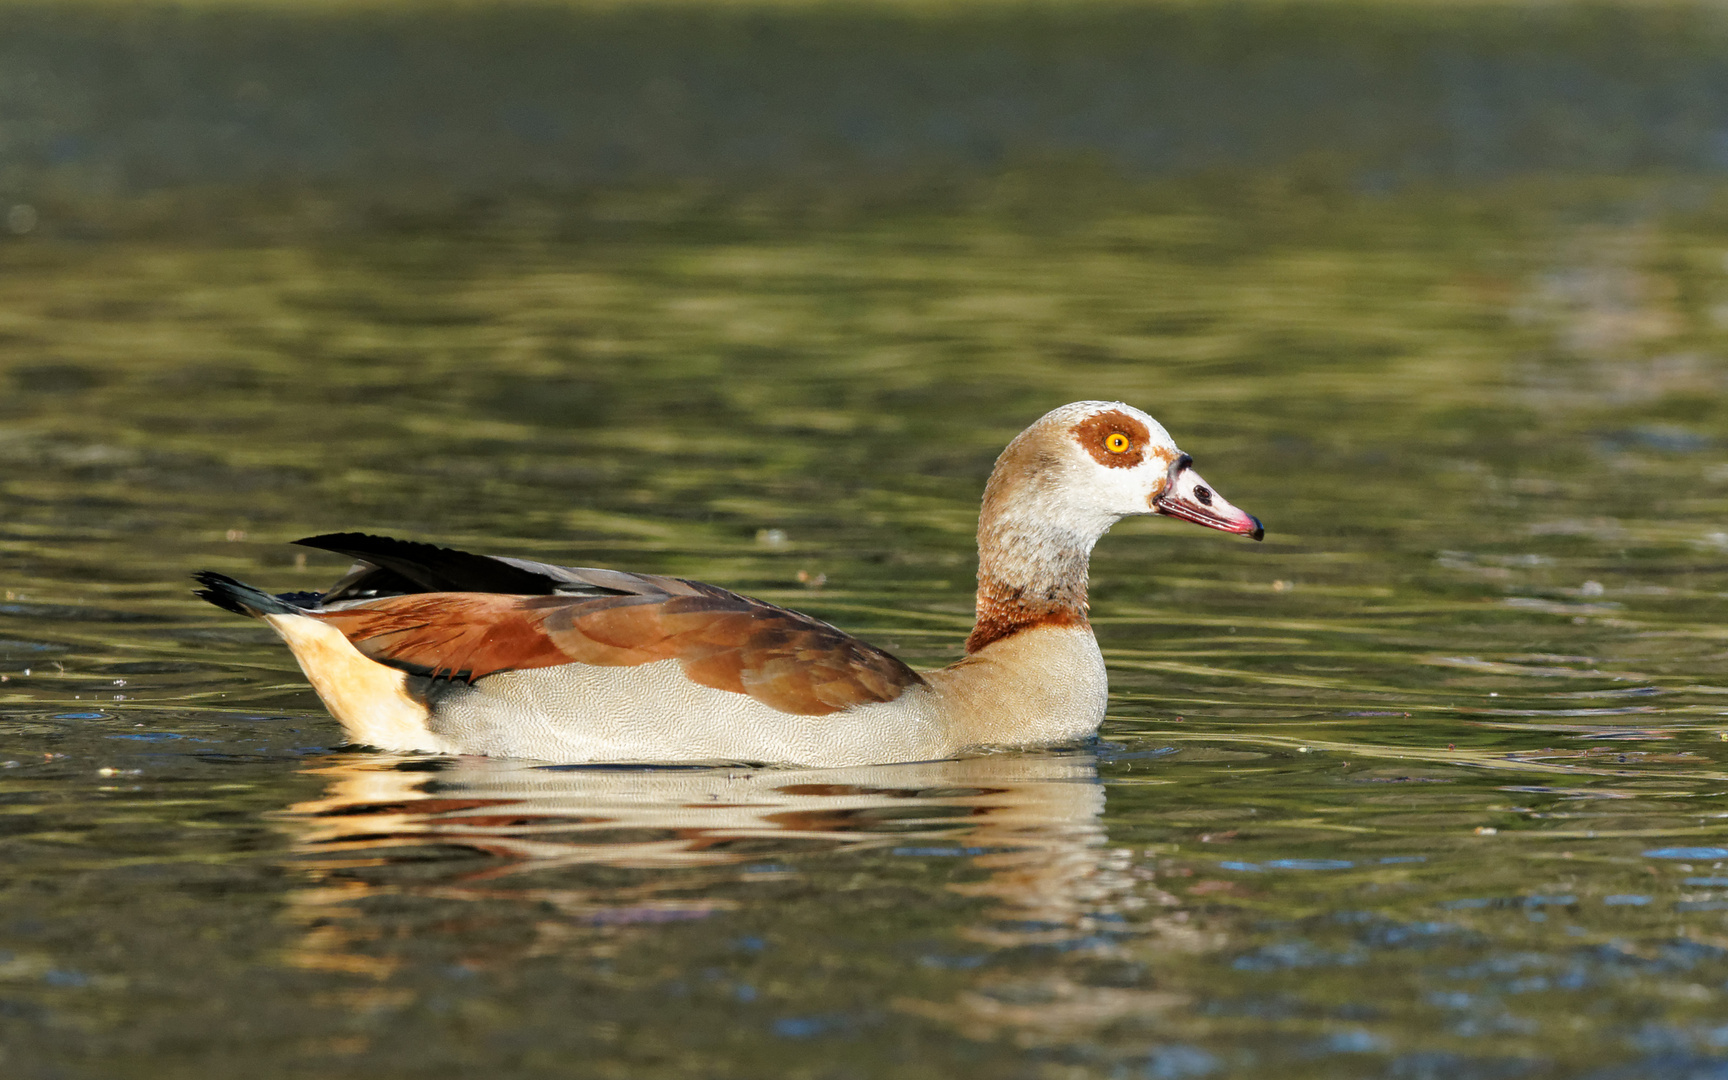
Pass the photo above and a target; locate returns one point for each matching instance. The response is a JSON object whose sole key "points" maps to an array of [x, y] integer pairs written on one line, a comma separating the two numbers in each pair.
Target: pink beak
{"points": [[1190, 498]]}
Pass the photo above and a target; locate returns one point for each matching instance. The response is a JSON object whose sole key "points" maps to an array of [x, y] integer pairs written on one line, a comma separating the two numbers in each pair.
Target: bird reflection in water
{"points": [[590, 850]]}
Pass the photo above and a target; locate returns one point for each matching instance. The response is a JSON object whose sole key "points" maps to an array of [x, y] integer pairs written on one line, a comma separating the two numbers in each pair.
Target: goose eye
{"points": [[1116, 443]]}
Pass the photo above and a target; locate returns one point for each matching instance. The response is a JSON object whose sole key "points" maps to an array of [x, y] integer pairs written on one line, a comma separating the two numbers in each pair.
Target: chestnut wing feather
{"points": [[785, 660]]}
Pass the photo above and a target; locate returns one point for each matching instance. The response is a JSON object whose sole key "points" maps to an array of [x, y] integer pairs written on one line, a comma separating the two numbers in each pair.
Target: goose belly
{"points": [[654, 712]]}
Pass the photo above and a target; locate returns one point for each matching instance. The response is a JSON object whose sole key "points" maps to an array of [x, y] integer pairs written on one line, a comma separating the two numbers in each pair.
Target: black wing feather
{"points": [[411, 566]]}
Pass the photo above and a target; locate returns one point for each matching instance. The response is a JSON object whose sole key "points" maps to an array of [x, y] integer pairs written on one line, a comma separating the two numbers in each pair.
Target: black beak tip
{"points": [[1259, 532]]}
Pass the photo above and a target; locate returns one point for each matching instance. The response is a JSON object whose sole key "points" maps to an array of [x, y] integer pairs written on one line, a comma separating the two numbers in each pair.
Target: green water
{"points": [[1432, 784], [1429, 784]]}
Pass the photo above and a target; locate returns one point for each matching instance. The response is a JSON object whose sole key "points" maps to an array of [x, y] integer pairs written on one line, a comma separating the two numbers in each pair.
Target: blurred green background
{"points": [[435, 105]]}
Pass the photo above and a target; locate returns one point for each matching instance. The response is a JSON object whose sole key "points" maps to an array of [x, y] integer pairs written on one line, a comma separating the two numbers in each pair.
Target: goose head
{"points": [[1081, 468], [1056, 489]]}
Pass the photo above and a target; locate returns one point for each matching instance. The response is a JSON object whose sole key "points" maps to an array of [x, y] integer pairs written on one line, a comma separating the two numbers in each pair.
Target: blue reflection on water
{"points": [[1687, 853], [1173, 1063], [1286, 864], [1285, 955]]}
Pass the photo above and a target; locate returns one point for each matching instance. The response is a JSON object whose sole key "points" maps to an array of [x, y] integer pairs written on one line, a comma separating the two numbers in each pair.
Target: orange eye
{"points": [[1116, 443]]}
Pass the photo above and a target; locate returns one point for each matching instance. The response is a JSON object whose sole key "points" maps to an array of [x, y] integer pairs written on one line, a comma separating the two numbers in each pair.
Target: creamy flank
{"points": [[366, 697]]}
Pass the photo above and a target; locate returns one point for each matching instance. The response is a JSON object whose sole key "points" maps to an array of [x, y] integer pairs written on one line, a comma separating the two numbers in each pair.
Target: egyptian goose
{"points": [[425, 648]]}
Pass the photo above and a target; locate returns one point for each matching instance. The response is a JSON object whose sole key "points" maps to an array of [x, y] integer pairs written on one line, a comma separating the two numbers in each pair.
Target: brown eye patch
{"points": [[1103, 435]]}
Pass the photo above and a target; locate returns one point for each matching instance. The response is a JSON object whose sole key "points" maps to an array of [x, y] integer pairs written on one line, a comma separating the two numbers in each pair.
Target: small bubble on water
{"points": [[1591, 588], [21, 219]]}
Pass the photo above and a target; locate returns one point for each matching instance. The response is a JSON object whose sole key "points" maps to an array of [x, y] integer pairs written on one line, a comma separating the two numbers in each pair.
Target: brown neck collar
{"points": [[1005, 609]]}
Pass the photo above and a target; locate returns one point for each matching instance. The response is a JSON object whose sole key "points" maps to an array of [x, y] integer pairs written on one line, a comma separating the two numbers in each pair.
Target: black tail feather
{"points": [[431, 568], [244, 599]]}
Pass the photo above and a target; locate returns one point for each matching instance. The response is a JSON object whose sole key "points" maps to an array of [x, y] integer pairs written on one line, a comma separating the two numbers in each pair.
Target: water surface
{"points": [[1430, 784]]}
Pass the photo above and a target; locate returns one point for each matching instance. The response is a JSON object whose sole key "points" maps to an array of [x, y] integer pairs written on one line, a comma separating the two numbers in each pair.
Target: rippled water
{"points": [[1429, 785]]}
